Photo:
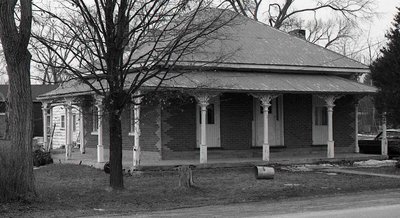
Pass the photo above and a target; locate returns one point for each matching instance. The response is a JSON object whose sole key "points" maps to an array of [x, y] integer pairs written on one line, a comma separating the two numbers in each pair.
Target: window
{"points": [[62, 120], [3, 108], [320, 116], [95, 119], [74, 122], [210, 114]]}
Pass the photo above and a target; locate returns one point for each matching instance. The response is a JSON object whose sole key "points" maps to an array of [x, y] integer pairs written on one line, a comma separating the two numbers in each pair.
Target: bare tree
{"points": [[16, 178], [286, 15], [115, 47]]}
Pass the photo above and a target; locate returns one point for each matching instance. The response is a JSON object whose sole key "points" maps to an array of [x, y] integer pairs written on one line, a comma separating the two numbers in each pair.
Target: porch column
{"points": [[81, 132], [265, 103], [44, 115], [100, 147], [68, 129], [356, 147], [330, 100], [136, 128], [384, 142], [203, 101]]}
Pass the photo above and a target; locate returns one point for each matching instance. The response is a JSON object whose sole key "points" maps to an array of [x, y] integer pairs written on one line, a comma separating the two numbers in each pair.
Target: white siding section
{"points": [[59, 133]]}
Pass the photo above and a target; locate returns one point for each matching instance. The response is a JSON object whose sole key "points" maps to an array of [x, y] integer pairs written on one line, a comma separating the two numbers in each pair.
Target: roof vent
{"points": [[299, 33]]}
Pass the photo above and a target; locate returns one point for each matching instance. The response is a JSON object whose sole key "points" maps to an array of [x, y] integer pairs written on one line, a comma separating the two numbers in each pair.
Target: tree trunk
{"points": [[21, 123], [114, 120]]}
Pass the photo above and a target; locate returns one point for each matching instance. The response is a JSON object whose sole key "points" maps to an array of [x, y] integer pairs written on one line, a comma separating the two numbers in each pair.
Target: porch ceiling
{"points": [[237, 82]]}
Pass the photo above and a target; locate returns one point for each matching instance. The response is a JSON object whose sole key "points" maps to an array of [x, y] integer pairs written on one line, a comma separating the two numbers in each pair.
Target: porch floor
{"points": [[288, 156]]}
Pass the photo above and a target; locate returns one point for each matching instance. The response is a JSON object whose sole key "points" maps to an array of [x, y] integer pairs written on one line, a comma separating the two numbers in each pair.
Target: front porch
{"points": [[218, 158]]}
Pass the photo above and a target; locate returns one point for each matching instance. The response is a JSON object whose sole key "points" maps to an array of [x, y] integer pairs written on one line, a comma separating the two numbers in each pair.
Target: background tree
{"points": [[386, 75], [16, 177], [325, 30], [115, 47]]}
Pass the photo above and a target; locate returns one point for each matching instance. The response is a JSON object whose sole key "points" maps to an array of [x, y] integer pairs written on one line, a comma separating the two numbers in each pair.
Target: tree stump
{"points": [[185, 177]]}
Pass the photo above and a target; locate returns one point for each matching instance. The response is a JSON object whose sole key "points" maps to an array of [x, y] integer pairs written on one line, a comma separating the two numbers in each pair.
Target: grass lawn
{"points": [[73, 190], [380, 170]]}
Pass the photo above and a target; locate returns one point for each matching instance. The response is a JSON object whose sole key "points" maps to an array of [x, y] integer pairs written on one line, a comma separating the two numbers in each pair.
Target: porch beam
{"points": [[265, 100], [136, 128], [100, 146]]}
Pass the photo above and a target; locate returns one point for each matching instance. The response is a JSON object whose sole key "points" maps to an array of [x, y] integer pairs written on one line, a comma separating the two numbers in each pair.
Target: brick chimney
{"points": [[299, 33]]}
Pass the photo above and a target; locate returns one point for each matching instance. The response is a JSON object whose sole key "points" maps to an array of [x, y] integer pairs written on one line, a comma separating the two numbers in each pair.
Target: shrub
{"points": [[41, 158]]}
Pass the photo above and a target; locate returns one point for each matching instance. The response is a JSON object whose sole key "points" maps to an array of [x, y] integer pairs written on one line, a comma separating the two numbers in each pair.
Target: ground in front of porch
{"points": [[66, 190], [216, 158]]}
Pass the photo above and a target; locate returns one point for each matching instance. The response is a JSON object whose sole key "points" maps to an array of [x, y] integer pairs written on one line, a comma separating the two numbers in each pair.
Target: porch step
{"points": [[249, 153]]}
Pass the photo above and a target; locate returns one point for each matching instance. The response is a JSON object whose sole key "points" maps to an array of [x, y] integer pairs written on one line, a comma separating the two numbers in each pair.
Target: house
{"points": [[274, 90], [37, 108]]}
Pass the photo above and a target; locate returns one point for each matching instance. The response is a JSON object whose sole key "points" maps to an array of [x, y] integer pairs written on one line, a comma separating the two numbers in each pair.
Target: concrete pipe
{"points": [[263, 172]]}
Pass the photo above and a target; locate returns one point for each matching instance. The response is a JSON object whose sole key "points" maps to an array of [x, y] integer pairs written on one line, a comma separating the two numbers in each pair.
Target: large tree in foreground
{"points": [[386, 74], [116, 47], [16, 173]]}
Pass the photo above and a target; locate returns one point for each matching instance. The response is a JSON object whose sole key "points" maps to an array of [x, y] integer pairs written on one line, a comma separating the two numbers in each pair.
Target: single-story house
{"points": [[274, 90], [37, 108]]}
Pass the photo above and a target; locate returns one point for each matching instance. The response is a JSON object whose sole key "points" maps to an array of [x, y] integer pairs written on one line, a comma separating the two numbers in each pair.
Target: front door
{"points": [[275, 126], [212, 123], [320, 122]]}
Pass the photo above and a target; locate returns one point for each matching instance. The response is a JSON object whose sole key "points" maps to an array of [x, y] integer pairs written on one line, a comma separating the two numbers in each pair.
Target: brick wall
{"points": [[178, 128], [297, 120], [236, 120], [344, 122]]}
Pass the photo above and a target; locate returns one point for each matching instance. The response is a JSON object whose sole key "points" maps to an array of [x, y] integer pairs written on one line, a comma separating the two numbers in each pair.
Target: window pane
{"points": [[74, 122], [2, 107], [62, 121], [321, 117], [210, 114]]}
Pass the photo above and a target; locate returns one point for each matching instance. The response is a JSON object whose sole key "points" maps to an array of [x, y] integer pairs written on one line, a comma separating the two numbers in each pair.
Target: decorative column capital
{"points": [[45, 105], [203, 98], [136, 97], [330, 100], [265, 98]]}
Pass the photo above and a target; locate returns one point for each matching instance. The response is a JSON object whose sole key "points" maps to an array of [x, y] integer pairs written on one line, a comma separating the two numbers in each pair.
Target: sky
{"points": [[387, 10], [380, 25]]}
